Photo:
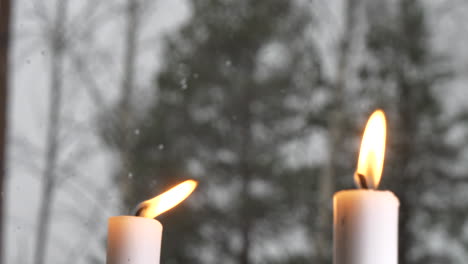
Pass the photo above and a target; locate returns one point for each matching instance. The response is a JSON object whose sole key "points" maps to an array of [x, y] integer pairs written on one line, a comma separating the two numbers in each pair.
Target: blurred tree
{"points": [[338, 125], [56, 45], [125, 111], [233, 92], [5, 10], [59, 25], [419, 159]]}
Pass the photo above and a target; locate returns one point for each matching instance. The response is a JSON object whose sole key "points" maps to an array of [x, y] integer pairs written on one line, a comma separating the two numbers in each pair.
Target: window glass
{"points": [[262, 102]]}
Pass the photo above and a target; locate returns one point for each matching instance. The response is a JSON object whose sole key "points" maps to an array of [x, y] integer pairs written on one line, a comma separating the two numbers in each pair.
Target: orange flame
{"points": [[167, 200], [372, 153]]}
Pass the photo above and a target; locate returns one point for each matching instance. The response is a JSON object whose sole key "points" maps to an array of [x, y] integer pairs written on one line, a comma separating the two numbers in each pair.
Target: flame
{"points": [[372, 153], [167, 200]]}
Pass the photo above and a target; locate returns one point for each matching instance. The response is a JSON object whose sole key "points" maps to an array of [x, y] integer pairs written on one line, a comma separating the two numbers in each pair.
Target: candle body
{"points": [[133, 240], [365, 227]]}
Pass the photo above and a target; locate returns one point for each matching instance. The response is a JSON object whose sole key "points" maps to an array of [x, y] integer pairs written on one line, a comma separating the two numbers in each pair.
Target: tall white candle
{"points": [[137, 239], [365, 227], [366, 220]]}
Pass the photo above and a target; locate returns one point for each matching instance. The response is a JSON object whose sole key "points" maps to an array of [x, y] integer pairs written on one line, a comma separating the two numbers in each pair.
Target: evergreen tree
{"points": [[233, 91], [406, 73]]}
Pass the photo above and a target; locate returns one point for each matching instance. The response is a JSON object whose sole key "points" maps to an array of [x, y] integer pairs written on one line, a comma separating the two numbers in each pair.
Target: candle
{"points": [[366, 220], [137, 239], [133, 239]]}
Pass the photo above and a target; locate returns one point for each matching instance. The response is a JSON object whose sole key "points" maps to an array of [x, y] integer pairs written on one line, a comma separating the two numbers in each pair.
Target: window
{"points": [[262, 102]]}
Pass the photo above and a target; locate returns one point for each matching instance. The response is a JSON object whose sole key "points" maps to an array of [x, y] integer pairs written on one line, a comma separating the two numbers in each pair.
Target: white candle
{"points": [[366, 220], [137, 239], [133, 239], [365, 227]]}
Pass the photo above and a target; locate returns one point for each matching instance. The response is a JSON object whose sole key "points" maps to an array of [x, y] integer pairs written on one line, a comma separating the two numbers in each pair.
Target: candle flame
{"points": [[372, 153], [153, 207]]}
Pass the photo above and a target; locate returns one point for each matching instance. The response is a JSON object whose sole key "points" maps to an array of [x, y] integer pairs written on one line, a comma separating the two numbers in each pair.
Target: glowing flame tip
{"points": [[372, 153], [153, 207]]}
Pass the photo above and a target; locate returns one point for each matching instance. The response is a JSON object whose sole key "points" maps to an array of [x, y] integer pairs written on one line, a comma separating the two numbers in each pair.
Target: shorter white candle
{"points": [[133, 239], [137, 239]]}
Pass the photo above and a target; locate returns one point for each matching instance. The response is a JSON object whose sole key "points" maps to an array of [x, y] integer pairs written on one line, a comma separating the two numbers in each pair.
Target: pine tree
{"points": [[233, 91], [405, 72]]}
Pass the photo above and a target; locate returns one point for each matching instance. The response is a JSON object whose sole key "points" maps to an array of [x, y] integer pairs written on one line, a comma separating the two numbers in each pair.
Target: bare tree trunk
{"points": [[131, 34], [407, 128], [49, 176], [336, 135], [405, 235], [244, 169], [128, 83], [4, 44], [409, 112]]}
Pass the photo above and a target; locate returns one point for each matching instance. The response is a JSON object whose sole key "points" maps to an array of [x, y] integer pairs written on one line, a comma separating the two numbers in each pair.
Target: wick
{"points": [[139, 210], [362, 181]]}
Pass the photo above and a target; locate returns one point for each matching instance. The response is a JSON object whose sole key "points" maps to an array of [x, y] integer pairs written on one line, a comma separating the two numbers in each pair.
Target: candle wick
{"points": [[139, 210], [362, 181]]}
